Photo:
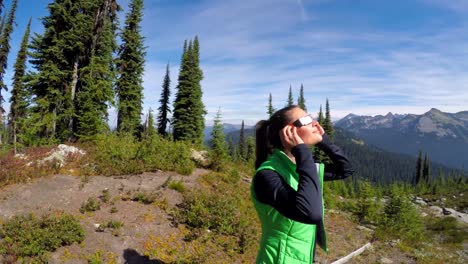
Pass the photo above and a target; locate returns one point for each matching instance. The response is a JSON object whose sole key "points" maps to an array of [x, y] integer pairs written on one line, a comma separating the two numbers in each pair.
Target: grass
{"points": [[177, 186]]}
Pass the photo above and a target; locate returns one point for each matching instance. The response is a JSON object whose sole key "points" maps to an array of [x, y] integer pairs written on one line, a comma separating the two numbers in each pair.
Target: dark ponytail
{"points": [[267, 135]]}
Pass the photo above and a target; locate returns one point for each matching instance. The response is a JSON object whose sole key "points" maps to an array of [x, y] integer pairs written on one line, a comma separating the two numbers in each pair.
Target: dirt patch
{"points": [[65, 193]]}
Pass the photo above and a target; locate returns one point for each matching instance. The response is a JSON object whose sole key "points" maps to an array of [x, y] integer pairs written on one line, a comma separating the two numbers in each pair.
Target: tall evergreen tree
{"points": [[250, 155], [301, 99], [19, 99], [242, 142], [72, 60], [271, 110], [94, 90], [419, 169], [2, 22], [327, 122], [189, 110], [150, 129], [290, 97], [131, 67], [319, 155], [164, 104], [4, 50], [219, 151], [426, 170]]}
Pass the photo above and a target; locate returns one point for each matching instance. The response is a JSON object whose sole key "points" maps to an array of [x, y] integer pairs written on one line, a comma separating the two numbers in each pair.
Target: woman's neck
{"points": [[290, 155]]}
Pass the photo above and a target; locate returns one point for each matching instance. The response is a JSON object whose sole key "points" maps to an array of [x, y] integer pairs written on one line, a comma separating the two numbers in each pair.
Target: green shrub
{"points": [[367, 204], [449, 229], [116, 154], [177, 185], [162, 154], [113, 224], [105, 197], [90, 205], [28, 236], [216, 211], [145, 198], [401, 218]]}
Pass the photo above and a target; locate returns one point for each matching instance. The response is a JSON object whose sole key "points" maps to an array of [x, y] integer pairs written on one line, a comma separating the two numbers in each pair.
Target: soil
{"points": [[65, 193]]}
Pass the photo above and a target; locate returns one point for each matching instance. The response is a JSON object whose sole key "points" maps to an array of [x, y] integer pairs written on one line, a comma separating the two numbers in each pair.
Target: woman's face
{"points": [[309, 133]]}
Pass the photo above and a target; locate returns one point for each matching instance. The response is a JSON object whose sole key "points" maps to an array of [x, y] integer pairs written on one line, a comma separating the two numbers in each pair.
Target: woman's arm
{"points": [[341, 167], [303, 205]]}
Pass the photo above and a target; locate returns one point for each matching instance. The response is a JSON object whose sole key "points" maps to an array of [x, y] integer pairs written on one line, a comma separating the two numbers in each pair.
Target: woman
{"points": [[287, 187]]}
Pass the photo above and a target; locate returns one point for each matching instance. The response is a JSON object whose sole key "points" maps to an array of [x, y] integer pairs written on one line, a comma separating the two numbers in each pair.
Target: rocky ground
{"points": [[142, 223], [64, 193]]}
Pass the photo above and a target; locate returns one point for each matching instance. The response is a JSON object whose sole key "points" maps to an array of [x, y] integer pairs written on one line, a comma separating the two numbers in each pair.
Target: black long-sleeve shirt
{"points": [[305, 204]]}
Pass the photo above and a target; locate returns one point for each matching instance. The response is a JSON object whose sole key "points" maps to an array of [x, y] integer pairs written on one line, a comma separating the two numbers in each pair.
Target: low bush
{"points": [[177, 185], [21, 168], [223, 208], [29, 236], [117, 154], [90, 205], [145, 197], [448, 229], [401, 218]]}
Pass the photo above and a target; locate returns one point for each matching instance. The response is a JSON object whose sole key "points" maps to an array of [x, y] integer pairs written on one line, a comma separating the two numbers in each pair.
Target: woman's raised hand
{"points": [[290, 137]]}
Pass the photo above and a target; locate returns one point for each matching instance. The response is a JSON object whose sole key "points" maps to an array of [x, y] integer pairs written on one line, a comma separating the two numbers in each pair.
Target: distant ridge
{"points": [[444, 136]]}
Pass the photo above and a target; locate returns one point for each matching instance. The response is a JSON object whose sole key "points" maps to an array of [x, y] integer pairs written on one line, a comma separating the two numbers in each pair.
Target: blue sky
{"points": [[367, 57]]}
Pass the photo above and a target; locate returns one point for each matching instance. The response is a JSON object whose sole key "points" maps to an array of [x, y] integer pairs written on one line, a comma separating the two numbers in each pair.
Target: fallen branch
{"points": [[352, 254]]}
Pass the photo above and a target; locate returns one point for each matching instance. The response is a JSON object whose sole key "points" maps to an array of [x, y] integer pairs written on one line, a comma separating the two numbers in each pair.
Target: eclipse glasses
{"points": [[303, 121]]}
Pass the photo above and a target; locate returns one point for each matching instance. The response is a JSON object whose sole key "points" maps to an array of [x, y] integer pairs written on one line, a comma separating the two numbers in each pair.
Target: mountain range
{"points": [[443, 136]]}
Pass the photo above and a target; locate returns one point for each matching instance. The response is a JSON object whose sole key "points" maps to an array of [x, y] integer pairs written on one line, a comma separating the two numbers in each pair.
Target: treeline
{"points": [[78, 71], [377, 167]]}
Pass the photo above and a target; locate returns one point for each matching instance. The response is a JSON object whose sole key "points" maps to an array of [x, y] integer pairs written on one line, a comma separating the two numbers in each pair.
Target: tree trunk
{"points": [[14, 137], [73, 93]]}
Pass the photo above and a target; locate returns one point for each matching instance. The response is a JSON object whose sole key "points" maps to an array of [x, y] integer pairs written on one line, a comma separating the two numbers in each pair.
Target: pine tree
{"points": [[19, 100], [150, 129], [94, 90], [189, 111], [419, 169], [198, 106], [164, 104], [72, 60], [130, 66], [367, 203], [219, 152], [426, 170], [271, 110], [250, 154], [2, 22], [4, 50], [319, 155], [401, 217], [242, 143], [290, 97], [327, 122], [301, 99]]}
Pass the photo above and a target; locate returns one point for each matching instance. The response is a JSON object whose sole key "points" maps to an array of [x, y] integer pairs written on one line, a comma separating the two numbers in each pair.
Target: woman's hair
{"points": [[267, 134]]}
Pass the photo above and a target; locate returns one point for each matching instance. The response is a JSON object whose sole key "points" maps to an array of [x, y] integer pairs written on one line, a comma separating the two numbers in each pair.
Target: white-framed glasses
{"points": [[303, 121]]}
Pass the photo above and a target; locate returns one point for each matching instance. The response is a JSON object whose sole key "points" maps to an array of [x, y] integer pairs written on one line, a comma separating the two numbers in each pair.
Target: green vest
{"points": [[285, 241]]}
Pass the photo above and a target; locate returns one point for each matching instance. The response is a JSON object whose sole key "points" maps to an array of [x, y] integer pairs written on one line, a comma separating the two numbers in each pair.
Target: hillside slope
{"points": [[149, 234]]}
